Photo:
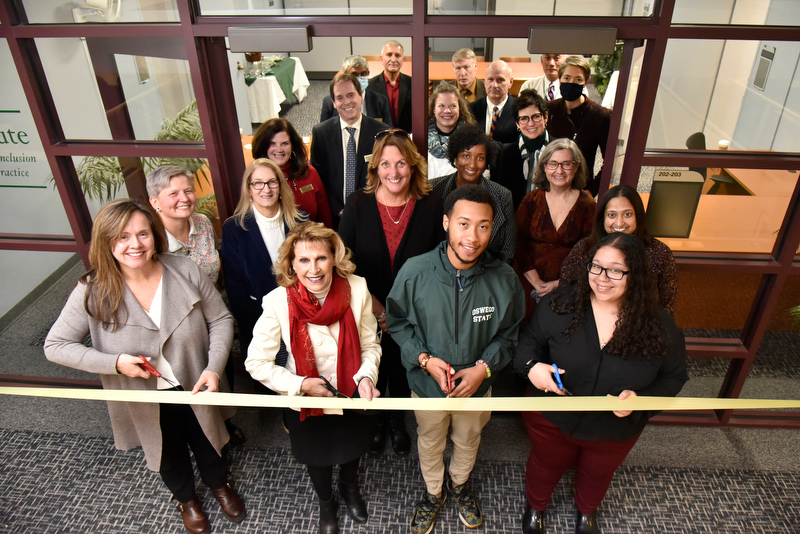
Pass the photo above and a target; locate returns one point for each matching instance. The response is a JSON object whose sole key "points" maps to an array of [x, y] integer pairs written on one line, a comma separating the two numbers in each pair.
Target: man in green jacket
{"points": [[455, 312]]}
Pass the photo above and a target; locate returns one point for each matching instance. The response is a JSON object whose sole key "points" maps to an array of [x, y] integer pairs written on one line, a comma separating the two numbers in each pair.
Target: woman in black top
{"points": [[608, 336], [392, 219]]}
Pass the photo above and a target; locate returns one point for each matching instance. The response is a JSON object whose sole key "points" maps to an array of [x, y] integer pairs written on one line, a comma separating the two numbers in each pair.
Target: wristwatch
{"points": [[423, 361]]}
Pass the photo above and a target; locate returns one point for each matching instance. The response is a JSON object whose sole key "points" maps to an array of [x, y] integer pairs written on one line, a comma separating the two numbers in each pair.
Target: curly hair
{"points": [[298, 162], [629, 193], [312, 232], [468, 136], [638, 331]]}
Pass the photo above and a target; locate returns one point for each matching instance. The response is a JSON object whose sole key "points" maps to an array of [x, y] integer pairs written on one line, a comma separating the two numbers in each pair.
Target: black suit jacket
{"points": [[376, 104], [327, 156], [506, 131], [378, 84]]}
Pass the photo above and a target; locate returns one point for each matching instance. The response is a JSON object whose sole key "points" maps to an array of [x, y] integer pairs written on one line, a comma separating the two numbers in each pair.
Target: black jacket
{"points": [[506, 131], [590, 371], [378, 84], [376, 104]]}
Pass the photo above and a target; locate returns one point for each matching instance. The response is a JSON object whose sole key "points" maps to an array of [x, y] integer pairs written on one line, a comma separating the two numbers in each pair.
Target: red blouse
{"points": [[309, 193]]}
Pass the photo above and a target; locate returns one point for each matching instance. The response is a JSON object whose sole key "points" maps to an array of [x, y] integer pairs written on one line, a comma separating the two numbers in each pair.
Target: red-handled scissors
{"points": [[147, 366]]}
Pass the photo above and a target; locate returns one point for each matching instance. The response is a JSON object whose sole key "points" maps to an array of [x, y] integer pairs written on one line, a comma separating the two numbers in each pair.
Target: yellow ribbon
{"points": [[494, 404]]}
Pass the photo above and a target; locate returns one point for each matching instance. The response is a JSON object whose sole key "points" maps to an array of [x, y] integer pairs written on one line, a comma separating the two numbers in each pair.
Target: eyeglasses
{"points": [[566, 165], [613, 274], [258, 186], [399, 132], [524, 119]]}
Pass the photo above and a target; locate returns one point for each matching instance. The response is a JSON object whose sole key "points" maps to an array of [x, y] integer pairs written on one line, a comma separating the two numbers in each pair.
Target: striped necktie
{"points": [[350, 164], [550, 92], [495, 115]]}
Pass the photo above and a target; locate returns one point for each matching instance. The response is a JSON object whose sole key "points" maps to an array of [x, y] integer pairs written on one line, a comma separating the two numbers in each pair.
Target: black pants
{"points": [[180, 430], [322, 477]]}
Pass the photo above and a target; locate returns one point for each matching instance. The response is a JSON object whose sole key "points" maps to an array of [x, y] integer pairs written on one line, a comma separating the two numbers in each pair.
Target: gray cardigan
{"points": [[195, 334]]}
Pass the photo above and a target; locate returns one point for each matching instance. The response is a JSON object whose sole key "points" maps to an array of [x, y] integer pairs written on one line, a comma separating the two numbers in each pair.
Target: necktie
{"points": [[550, 92], [350, 164], [495, 114]]}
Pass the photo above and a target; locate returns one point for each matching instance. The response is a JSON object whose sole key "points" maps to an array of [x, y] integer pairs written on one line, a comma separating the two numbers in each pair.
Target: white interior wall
{"points": [[142, 99], [684, 92]]}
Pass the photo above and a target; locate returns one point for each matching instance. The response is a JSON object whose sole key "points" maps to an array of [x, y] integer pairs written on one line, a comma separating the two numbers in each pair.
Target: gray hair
{"points": [[394, 43], [581, 173], [158, 178], [354, 61]]}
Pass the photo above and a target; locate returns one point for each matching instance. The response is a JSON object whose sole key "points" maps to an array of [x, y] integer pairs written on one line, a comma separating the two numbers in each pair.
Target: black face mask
{"points": [[571, 91]]}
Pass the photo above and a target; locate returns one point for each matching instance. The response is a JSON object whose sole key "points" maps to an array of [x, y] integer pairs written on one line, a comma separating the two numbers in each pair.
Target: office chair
{"points": [[697, 141]]}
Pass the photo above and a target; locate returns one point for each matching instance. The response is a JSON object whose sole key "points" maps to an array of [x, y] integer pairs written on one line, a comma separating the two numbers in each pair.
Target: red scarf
{"points": [[304, 308]]}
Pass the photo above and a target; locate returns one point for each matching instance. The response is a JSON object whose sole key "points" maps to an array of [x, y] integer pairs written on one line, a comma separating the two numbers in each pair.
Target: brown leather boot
{"points": [[232, 505], [194, 519]]}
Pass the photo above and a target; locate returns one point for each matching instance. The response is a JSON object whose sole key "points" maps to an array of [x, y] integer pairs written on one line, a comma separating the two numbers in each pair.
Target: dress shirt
{"points": [[490, 111], [469, 92], [345, 139]]}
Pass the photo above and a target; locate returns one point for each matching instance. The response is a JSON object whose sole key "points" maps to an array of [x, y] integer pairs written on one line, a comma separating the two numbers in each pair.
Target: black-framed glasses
{"points": [[524, 119], [613, 274], [399, 132], [566, 165], [259, 185]]}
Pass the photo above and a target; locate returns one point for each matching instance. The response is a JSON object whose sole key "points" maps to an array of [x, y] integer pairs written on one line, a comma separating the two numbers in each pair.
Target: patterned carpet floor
{"points": [[61, 483]]}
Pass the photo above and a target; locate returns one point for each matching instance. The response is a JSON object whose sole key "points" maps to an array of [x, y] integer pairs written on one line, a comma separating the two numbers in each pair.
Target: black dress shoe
{"points": [[378, 441], [401, 441], [236, 434], [532, 521], [354, 504], [329, 516], [587, 524]]}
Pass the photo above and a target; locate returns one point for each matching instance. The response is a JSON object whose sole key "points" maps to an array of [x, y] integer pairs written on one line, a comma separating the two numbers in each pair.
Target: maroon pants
{"points": [[552, 453]]}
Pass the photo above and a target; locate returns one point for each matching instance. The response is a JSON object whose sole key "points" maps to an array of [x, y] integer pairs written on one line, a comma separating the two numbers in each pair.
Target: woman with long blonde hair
{"points": [[251, 239]]}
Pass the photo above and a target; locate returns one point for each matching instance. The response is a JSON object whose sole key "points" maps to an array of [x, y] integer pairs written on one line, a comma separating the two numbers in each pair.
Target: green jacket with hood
{"points": [[458, 316]]}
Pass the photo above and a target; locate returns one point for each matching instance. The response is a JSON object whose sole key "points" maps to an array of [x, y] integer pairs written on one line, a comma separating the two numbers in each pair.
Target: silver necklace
{"points": [[386, 207]]}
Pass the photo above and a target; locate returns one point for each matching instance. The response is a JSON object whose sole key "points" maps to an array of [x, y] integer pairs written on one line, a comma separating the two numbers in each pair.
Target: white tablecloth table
{"points": [[264, 96]]}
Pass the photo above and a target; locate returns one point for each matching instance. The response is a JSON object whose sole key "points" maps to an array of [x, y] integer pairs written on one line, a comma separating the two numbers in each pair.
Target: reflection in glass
{"points": [[742, 95], [718, 223], [566, 8], [305, 7], [100, 94], [776, 12], [98, 11], [709, 307]]}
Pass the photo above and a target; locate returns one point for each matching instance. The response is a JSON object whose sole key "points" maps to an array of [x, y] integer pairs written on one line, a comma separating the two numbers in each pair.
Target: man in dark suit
{"points": [[466, 67], [332, 140], [394, 85], [497, 102], [375, 104]]}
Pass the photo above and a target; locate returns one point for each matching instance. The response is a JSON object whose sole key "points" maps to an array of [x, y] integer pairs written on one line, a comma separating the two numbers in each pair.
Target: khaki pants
{"points": [[432, 427]]}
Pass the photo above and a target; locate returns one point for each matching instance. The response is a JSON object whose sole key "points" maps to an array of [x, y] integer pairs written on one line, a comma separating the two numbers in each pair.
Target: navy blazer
{"points": [[506, 131], [327, 156], [376, 104], [247, 268], [378, 84]]}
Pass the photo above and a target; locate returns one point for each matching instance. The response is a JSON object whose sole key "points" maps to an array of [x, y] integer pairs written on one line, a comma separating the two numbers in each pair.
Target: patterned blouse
{"points": [[202, 245]]}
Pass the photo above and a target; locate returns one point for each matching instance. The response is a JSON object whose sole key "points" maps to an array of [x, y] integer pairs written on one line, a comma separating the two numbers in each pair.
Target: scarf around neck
{"points": [[304, 308]]}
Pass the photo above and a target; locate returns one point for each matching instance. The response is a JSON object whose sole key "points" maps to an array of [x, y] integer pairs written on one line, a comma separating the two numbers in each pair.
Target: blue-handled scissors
{"points": [[558, 381]]}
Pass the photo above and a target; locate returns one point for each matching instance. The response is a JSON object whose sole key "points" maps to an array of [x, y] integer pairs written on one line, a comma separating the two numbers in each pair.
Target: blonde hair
{"points": [[105, 293], [418, 186], [576, 61], [312, 232], [286, 199]]}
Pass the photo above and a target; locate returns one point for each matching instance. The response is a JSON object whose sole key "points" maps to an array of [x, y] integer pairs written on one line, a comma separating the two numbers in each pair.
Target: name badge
{"points": [[307, 188], [368, 158]]}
